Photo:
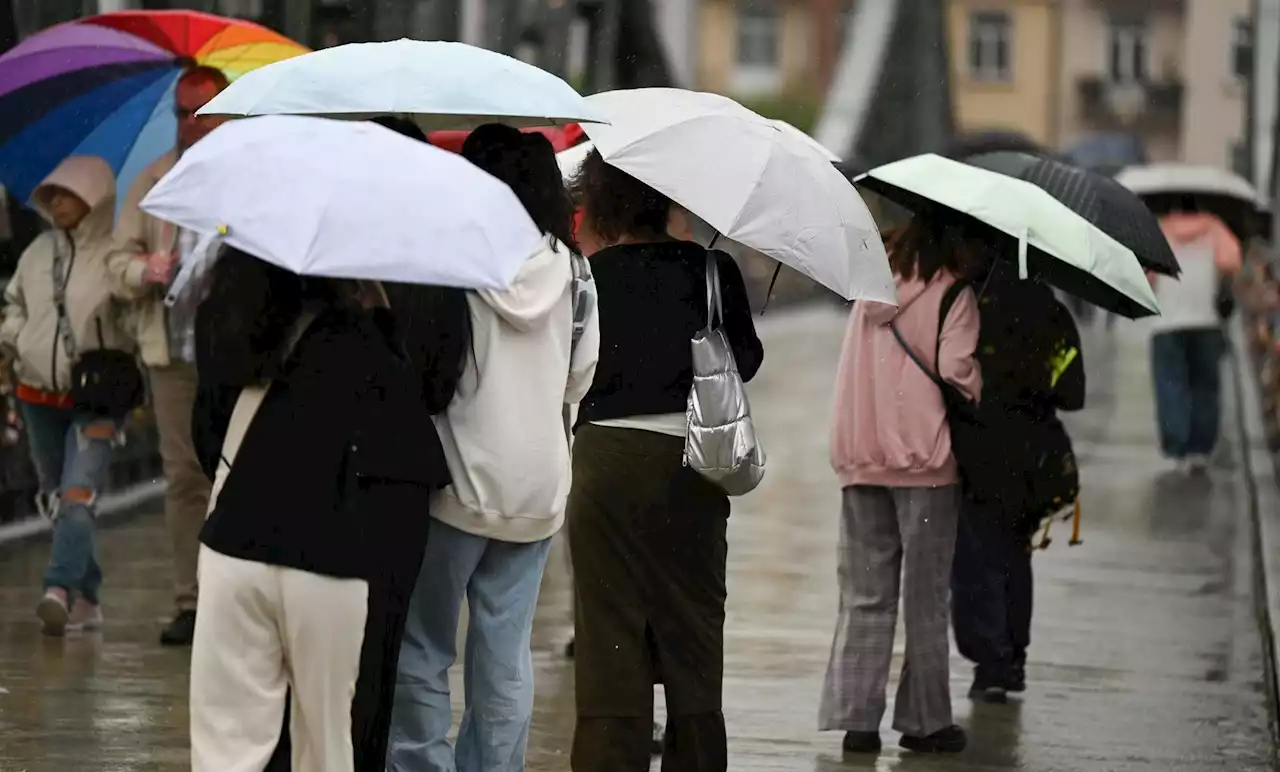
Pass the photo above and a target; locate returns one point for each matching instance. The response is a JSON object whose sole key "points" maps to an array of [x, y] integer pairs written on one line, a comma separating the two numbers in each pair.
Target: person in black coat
{"points": [[1032, 367], [318, 523]]}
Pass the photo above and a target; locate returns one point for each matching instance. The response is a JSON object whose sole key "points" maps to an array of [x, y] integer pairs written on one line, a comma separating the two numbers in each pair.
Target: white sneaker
{"points": [[1197, 464], [85, 617]]}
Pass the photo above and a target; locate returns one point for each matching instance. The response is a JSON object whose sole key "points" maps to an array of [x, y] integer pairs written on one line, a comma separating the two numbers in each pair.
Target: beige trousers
{"points": [[260, 630], [173, 396]]}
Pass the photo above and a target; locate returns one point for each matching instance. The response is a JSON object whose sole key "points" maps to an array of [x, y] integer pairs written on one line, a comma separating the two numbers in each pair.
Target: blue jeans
{"points": [[71, 451], [500, 582], [1186, 368]]}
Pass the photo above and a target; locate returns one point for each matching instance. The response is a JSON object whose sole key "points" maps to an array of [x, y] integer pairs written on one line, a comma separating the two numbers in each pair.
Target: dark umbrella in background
{"points": [[1101, 200], [964, 146], [1229, 196]]}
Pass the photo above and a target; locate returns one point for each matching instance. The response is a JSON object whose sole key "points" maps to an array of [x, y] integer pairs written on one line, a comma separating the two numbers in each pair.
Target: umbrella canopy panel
{"points": [[349, 200], [439, 84], [1099, 199], [1061, 248], [103, 85]]}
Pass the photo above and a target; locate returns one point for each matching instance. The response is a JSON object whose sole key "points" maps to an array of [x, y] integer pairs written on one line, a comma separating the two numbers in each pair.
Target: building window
{"points": [[758, 32], [758, 59], [1241, 163], [991, 46], [1127, 51], [1242, 47]]}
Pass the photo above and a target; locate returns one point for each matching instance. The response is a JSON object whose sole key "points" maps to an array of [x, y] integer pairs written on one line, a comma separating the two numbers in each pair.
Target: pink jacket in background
{"points": [[890, 425], [1185, 228]]}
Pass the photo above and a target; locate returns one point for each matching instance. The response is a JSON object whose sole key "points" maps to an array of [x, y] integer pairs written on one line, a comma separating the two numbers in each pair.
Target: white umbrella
{"points": [[570, 159], [442, 85], [348, 200], [1053, 242], [750, 180], [1180, 178]]}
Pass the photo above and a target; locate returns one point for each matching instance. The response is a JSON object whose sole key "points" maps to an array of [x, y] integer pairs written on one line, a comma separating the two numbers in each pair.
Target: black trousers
{"points": [[991, 591]]}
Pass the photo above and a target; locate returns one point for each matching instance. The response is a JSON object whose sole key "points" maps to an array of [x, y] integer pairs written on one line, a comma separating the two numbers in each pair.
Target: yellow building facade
{"points": [[1005, 56]]}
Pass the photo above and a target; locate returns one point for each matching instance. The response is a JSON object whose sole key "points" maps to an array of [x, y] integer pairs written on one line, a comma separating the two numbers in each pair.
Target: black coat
{"points": [[344, 440]]}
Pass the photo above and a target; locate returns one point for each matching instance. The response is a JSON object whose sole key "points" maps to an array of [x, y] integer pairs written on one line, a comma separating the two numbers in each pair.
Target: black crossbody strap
{"points": [[944, 308], [915, 357]]}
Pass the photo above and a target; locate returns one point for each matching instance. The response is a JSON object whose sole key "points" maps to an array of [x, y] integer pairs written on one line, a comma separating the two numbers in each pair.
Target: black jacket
{"points": [[652, 300], [340, 458]]}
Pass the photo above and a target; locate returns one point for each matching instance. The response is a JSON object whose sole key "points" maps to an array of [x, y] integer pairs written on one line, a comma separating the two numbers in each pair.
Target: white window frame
{"points": [[990, 49], [757, 54], [1128, 51]]}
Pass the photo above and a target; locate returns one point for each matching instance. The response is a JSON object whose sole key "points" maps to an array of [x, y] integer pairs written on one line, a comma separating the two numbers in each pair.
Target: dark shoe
{"points": [[994, 692], [1016, 681], [949, 740], [180, 631], [569, 648], [861, 742], [659, 738]]}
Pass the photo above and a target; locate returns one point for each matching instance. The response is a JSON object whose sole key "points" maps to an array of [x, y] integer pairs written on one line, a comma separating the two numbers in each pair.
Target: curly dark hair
{"points": [[615, 204]]}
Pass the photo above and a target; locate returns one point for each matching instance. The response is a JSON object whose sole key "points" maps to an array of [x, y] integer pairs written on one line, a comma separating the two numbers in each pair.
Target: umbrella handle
{"points": [[1022, 253]]}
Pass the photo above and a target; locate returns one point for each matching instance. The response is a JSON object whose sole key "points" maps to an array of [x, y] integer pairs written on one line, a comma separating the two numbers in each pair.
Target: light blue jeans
{"points": [[71, 449], [500, 581]]}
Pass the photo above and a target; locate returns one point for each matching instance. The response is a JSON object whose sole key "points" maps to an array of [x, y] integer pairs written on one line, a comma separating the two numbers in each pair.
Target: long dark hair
{"points": [[433, 323], [527, 163], [243, 324]]}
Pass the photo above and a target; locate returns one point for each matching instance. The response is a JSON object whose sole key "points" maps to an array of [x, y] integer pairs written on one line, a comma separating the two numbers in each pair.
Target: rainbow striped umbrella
{"points": [[104, 85]]}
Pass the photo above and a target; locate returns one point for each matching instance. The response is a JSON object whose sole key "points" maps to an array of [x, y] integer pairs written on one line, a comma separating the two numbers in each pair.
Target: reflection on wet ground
{"points": [[1145, 654]]}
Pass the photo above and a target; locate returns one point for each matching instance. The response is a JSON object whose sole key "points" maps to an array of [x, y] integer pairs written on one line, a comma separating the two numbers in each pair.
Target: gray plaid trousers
{"points": [[892, 541]]}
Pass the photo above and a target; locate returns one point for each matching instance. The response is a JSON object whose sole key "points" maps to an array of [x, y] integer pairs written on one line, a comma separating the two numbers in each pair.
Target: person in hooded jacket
{"points": [[891, 447], [508, 453], [1187, 342], [59, 305], [1032, 367]]}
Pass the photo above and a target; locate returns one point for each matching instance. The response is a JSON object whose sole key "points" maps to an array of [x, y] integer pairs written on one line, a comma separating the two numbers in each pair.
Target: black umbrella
{"points": [[965, 146], [1099, 199]]}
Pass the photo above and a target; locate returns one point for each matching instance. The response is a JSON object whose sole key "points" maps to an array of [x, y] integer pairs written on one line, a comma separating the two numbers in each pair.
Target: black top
{"points": [[327, 474], [652, 301]]}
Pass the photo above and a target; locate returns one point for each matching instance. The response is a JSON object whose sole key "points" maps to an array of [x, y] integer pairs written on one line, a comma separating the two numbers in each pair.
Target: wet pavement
{"points": [[1146, 653]]}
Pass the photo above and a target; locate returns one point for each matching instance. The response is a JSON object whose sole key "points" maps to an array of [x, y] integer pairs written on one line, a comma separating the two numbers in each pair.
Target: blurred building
{"points": [[1004, 65], [1171, 73], [769, 48]]}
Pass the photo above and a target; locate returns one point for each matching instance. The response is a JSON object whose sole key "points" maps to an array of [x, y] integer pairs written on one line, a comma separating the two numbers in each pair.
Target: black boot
{"points": [[181, 631], [990, 684], [861, 742], [949, 740]]}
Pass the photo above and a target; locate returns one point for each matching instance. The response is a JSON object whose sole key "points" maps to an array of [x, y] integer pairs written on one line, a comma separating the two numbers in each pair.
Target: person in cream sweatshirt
{"points": [[533, 350]]}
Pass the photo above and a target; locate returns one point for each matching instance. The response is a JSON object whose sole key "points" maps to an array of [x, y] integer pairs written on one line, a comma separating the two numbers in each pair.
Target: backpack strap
{"points": [[944, 308]]}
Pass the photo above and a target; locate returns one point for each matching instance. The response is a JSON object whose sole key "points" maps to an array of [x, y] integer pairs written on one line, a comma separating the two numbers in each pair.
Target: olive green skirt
{"points": [[648, 539]]}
